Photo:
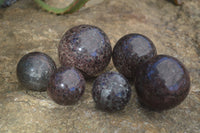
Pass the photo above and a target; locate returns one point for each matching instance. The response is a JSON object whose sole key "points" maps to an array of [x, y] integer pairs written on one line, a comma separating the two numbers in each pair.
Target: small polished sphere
{"points": [[162, 83], [111, 91], [131, 51], [87, 48], [34, 71], [66, 86]]}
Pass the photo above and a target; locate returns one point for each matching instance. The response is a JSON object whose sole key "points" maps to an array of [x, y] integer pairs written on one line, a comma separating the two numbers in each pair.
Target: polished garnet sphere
{"points": [[34, 71], [131, 51], [66, 86], [87, 48], [111, 91], [162, 83]]}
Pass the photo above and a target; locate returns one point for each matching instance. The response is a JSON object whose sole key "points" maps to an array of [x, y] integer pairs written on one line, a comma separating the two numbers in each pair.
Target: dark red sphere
{"points": [[162, 83], [66, 86], [34, 71], [131, 51], [87, 48], [111, 91]]}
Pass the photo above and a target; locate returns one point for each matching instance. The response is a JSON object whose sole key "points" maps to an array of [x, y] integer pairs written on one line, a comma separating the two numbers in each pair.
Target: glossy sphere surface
{"points": [[66, 86], [162, 83], [34, 71], [87, 48], [111, 91], [131, 51]]}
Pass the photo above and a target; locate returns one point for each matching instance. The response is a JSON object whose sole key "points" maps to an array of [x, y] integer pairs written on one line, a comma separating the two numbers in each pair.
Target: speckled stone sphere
{"points": [[66, 86], [34, 71], [87, 48], [111, 91], [162, 83], [131, 51]]}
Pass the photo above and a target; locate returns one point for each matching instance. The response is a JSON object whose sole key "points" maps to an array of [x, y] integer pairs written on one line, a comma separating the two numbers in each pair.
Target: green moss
{"points": [[74, 6]]}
